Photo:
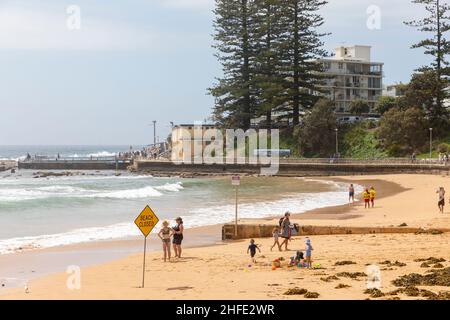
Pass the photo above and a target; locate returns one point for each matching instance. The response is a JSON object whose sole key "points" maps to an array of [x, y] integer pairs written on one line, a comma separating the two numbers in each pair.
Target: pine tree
{"points": [[268, 78], [301, 46], [235, 103], [436, 23]]}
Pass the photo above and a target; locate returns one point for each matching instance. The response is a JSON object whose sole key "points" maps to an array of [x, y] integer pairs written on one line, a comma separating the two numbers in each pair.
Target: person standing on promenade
{"points": [[286, 230], [441, 201], [351, 194], [178, 236]]}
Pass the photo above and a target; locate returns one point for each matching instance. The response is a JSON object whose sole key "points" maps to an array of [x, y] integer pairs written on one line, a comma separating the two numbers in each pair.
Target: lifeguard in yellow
{"points": [[372, 194], [366, 197]]}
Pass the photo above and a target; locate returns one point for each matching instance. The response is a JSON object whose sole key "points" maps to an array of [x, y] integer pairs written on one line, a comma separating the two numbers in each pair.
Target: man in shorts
{"points": [[441, 201]]}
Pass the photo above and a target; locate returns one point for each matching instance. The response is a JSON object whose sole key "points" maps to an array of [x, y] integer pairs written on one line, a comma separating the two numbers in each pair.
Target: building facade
{"points": [[186, 137], [351, 75]]}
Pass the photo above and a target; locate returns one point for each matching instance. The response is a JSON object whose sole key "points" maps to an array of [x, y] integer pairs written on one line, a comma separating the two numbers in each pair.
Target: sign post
{"points": [[236, 182], [146, 221]]}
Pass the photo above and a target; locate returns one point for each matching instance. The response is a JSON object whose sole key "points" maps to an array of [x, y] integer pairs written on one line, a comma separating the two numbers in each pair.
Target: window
{"points": [[341, 65]]}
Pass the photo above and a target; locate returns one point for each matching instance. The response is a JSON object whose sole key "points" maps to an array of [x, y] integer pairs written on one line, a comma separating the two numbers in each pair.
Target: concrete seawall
{"points": [[247, 231], [75, 165], [290, 169]]}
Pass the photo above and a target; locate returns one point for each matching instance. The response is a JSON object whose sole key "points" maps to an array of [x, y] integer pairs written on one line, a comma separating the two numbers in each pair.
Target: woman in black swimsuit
{"points": [[178, 236]]}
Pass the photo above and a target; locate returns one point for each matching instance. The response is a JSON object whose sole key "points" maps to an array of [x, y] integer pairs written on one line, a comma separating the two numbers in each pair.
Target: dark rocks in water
{"points": [[352, 275], [342, 286], [312, 295], [438, 265], [344, 263], [295, 291], [424, 265], [374, 293], [403, 225], [440, 277]]}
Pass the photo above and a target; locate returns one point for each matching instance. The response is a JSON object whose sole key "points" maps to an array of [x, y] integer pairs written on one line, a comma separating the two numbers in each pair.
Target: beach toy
{"points": [[317, 265], [300, 265], [274, 268]]}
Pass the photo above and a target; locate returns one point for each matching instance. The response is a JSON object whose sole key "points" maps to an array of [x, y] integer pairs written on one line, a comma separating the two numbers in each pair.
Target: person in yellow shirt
{"points": [[372, 194], [366, 197]]}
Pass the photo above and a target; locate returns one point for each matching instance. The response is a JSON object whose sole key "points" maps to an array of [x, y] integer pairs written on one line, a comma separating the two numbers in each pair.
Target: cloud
{"points": [[189, 4], [34, 29]]}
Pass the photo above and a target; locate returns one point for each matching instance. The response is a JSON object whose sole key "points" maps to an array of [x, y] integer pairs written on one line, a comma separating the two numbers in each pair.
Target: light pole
{"points": [[154, 132], [431, 141], [337, 142]]}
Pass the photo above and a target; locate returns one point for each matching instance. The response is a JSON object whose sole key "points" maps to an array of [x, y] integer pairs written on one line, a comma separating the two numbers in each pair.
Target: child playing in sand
{"points": [[252, 249], [276, 236], [308, 250], [165, 234]]}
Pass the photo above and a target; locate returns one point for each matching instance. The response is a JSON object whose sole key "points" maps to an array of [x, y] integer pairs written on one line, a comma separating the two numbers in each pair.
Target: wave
{"points": [[129, 194], [174, 187], [117, 231], [211, 215], [17, 195]]}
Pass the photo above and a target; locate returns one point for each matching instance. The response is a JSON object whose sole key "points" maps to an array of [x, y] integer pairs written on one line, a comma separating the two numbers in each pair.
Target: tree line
{"points": [[268, 48]]}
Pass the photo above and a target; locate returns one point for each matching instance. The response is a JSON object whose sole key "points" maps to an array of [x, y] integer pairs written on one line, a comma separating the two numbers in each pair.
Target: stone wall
{"points": [[247, 231], [290, 169]]}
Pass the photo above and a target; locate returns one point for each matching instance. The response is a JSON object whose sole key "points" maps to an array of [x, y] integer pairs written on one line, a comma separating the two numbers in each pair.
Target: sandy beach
{"points": [[224, 270]]}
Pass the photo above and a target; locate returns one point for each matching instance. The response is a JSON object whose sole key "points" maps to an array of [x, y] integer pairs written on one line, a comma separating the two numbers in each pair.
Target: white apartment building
{"points": [[394, 90], [351, 75]]}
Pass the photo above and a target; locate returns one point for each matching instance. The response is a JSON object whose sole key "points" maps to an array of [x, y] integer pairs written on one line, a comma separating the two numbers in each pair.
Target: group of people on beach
{"points": [[368, 195], [285, 231], [176, 234]]}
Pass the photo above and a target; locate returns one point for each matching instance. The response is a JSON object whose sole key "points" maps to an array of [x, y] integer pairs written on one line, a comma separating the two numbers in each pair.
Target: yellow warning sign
{"points": [[146, 221]]}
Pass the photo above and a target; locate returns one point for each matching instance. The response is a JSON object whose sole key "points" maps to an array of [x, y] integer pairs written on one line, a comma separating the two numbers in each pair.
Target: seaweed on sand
{"points": [[295, 291], [329, 279], [352, 275], [440, 277], [312, 295], [344, 263], [342, 286], [374, 293]]}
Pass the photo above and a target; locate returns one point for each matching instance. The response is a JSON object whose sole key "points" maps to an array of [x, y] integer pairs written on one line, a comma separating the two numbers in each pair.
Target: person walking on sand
{"points": [[308, 252], [178, 236], [351, 194], [441, 201], [366, 197], [276, 237], [372, 194], [252, 249], [165, 234], [286, 230]]}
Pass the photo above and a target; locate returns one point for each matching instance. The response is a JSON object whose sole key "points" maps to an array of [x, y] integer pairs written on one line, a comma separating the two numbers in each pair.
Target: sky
{"points": [[98, 72]]}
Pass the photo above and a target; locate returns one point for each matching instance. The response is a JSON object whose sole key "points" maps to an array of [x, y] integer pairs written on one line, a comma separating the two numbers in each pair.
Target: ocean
{"points": [[98, 205]]}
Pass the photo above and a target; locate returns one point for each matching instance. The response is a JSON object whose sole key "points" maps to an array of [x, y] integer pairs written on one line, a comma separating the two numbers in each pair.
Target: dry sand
{"points": [[225, 272]]}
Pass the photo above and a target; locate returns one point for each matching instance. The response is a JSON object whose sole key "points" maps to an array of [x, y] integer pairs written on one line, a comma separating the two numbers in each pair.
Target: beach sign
{"points": [[236, 181], [146, 221]]}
